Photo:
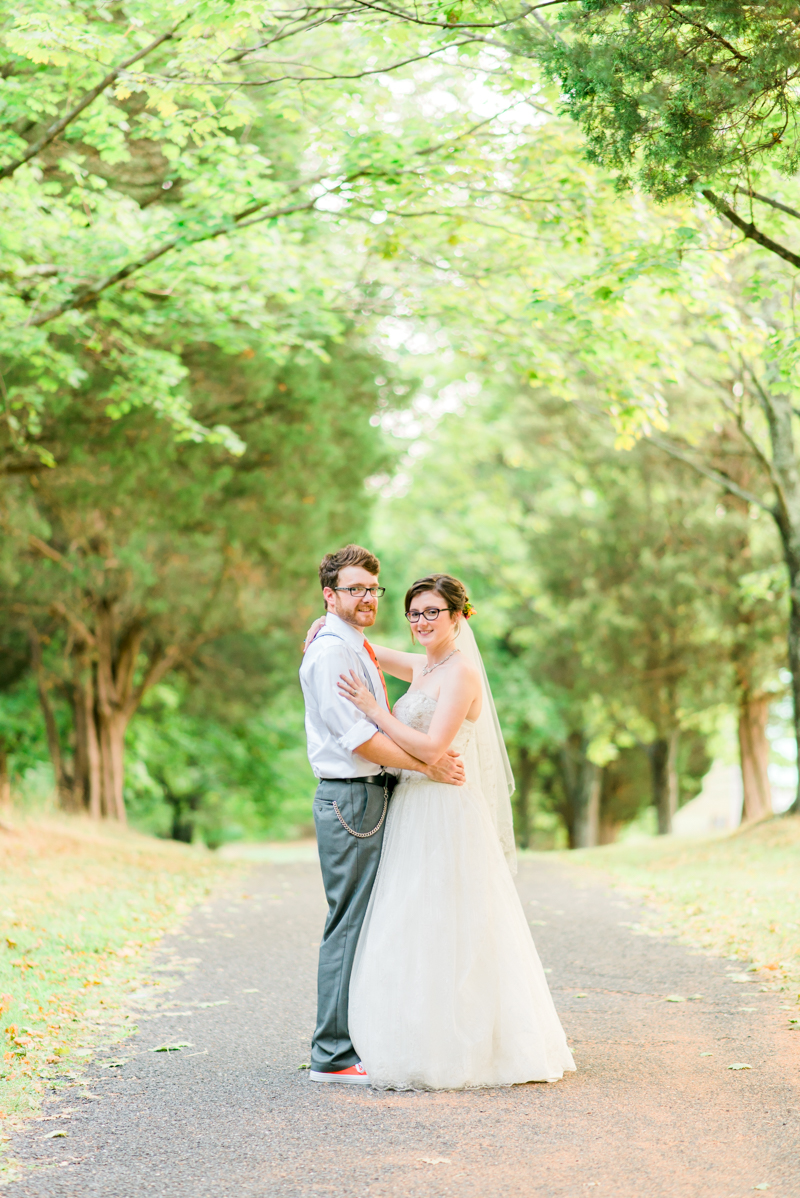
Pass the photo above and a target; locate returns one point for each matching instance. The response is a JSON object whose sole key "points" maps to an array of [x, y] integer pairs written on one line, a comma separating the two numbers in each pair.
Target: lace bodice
{"points": [[416, 709]]}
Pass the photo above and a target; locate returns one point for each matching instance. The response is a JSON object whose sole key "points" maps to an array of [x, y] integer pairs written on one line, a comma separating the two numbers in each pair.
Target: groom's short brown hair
{"points": [[351, 555]]}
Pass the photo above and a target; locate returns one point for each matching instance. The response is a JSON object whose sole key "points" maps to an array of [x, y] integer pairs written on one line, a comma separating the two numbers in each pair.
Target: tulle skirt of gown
{"points": [[447, 988]]}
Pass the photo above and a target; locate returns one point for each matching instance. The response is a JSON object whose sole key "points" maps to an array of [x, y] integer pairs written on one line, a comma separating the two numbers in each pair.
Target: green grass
{"points": [[81, 907], [737, 896]]}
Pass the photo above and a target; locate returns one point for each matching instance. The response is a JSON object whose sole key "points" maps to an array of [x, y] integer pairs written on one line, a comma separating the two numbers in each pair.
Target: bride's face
{"points": [[438, 633]]}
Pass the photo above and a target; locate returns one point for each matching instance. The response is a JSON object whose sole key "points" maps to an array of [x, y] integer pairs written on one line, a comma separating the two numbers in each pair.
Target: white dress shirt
{"points": [[334, 726]]}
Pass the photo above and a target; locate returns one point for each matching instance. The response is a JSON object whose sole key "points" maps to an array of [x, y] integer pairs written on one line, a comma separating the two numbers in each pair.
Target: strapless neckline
{"points": [[425, 695]]}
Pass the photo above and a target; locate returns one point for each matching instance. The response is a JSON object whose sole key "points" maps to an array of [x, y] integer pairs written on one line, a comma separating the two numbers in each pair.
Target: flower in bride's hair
{"points": [[469, 610]]}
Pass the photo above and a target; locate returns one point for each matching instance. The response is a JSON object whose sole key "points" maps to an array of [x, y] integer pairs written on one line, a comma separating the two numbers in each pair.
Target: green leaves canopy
{"points": [[675, 95]]}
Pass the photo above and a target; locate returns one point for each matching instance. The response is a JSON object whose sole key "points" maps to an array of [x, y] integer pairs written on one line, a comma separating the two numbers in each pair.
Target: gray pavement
{"points": [[649, 1112]]}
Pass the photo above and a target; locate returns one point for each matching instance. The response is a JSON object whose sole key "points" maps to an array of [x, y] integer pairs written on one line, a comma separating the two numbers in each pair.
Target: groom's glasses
{"points": [[360, 592], [430, 613]]}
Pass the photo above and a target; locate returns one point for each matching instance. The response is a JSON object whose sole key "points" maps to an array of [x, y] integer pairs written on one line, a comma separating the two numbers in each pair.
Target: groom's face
{"points": [[360, 612]]}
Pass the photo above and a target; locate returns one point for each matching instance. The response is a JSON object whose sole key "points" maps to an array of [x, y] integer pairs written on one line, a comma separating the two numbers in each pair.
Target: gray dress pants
{"points": [[349, 866]]}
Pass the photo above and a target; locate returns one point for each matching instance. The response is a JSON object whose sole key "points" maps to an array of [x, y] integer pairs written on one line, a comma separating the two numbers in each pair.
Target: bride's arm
{"points": [[459, 688], [395, 662], [391, 661]]}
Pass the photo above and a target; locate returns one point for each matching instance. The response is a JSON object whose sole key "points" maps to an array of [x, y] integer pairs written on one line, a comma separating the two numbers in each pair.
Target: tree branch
{"points": [[712, 33], [750, 229], [89, 293], [715, 476], [736, 413], [84, 633], [330, 77], [547, 28], [757, 450], [772, 203], [58, 126], [156, 670], [300, 26], [53, 554], [390, 11]]}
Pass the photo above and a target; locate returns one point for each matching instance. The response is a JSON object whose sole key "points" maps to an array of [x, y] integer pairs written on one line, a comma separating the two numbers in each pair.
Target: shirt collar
{"points": [[353, 636]]}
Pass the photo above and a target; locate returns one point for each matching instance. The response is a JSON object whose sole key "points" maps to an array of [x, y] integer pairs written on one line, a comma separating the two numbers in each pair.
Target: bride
{"points": [[447, 989]]}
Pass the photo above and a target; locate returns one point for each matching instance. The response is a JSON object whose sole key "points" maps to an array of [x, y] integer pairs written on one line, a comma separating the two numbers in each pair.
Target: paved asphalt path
{"points": [[653, 1111]]}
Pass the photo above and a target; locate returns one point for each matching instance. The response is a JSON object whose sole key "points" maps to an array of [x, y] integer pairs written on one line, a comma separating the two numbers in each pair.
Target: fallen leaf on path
{"points": [[173, 1047], [739, 1065], [56, 1135], [706, 1054], [435, 1160], [748, 1008], [695, 997], [762, 1186], [221, 1002], [580, 996], [674, 998], [306, 1066], [252, 990], [115, 1064]]}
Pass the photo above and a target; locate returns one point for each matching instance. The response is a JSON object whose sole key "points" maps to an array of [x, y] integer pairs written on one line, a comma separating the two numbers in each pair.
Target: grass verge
{"points": [[737, 896], [81, 907]]}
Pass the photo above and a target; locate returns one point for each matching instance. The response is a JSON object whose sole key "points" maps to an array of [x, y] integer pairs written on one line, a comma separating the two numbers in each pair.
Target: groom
{"points": [[356, 765]]}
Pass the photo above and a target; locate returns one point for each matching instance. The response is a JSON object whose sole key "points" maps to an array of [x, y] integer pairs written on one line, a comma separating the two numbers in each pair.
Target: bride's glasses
{"points": [[430, 613], [360, 592]]}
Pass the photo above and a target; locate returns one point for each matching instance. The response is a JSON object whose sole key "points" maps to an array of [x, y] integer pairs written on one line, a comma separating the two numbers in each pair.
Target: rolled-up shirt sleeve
{"points": [[346, 724]]}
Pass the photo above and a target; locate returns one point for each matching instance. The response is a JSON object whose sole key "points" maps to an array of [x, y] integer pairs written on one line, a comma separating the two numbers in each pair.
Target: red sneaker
{"points": [[356, 1075]]}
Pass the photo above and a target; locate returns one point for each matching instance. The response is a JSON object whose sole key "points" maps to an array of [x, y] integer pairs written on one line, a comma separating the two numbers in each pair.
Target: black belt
{"points": [[372, 780]]}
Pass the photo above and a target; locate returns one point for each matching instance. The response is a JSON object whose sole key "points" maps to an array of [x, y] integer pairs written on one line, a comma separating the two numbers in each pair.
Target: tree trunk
{"points": [[587, 829], [5, 778], [116, 663], [785, 474], [663, 754], [112, 758], [524, 775], [793, 565], [63, 790], [582, 780], [754, 755], [87, 748]]}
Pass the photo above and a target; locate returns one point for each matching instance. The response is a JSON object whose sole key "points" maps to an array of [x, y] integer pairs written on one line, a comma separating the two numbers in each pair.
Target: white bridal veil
{"points": [[486, 761]]}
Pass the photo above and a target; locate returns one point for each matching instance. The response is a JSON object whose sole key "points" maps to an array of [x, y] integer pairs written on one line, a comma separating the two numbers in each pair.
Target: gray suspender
{"points": [[362, 668]]}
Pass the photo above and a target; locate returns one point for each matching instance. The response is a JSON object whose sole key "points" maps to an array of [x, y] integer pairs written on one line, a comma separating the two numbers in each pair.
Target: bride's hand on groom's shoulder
{"points": [[448, 769], [352, 688], [312, 632]]}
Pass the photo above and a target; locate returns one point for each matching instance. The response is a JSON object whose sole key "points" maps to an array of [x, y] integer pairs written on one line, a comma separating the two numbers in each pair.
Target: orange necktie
{"points": [[371, 652]]}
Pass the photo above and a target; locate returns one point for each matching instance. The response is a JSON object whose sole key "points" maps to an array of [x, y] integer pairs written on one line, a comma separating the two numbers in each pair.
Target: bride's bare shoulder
{"points": [[464, 671]]}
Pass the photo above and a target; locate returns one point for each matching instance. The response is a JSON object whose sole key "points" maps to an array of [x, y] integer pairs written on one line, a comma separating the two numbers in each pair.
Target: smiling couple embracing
{"points": [[428, 976]]}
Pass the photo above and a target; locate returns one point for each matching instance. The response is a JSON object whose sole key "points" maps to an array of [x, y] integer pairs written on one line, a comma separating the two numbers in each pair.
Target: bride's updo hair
{"points": [[451, 590]]}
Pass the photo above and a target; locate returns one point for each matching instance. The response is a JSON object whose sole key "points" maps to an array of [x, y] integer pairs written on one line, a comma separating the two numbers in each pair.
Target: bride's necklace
{"points": [[428, 669]]}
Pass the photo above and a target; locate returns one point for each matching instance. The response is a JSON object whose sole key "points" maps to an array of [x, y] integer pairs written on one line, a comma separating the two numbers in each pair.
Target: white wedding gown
{"points": [[447, 989]]}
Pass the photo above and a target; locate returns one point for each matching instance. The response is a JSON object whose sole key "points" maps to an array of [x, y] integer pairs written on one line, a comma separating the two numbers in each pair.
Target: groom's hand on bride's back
{"points": [[449, 769]]}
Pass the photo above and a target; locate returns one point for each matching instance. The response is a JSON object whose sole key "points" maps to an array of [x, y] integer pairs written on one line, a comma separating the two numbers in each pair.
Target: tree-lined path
{"points": [[654, 1109]]}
